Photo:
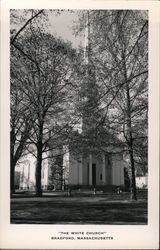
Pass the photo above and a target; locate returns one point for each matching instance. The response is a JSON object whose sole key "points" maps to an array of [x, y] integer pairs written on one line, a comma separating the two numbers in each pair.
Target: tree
{"points": [[20, 123], [44, 70], [119, 57], [20, 113], [46, 86], [127, 51]]}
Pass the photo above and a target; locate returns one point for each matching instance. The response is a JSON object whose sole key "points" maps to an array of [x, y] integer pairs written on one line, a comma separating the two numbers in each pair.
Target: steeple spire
{"points": [[87, 38], [89, 91]]}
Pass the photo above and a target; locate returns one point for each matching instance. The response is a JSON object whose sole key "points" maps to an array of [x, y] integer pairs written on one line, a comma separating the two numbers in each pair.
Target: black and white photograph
{"points": [[79, 124], [79, 116]]}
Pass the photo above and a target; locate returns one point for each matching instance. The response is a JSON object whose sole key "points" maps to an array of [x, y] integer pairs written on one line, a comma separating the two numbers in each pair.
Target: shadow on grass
{"points": [[98, 209]]}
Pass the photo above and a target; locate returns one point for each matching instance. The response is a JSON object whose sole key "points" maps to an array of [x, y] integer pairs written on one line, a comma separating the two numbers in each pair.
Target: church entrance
{"points": [[93, 174]]}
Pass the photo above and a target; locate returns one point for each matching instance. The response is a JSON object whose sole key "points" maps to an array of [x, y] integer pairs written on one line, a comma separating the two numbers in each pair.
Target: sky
{"points": [[61, 26]]}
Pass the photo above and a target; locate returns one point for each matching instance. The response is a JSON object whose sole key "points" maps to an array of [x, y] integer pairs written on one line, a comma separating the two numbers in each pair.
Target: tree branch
{"points": [[24, 26]]}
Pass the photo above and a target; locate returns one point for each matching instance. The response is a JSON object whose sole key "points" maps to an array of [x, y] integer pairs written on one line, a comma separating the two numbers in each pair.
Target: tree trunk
{"points": [[133, 182], [129, 131], [38, 170], [12, 170], [12, 163], [15, 156], [39, 160], [130, 145]]}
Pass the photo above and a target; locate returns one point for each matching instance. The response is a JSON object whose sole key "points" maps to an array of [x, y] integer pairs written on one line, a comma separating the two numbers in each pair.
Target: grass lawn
{"points": [[57, 208]]}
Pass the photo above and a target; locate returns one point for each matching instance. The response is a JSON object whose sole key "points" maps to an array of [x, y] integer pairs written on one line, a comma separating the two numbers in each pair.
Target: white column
{"points": [[90, 169], [29, 175], [21, 176], [25, 176], [77, 171], [103, 169], [66, 164]]}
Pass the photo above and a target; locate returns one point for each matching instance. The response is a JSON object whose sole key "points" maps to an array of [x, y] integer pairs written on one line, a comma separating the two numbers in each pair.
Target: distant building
{"points": [[142, 181], [25, 173]]}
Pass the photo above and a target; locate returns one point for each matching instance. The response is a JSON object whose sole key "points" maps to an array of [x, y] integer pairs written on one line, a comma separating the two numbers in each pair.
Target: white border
{"points": [[38, 236]]}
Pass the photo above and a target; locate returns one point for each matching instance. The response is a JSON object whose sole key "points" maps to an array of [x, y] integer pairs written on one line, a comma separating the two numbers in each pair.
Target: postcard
{"points": [[79, 125]]}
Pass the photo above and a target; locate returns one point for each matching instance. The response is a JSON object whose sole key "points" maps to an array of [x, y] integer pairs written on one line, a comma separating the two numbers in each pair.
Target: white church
{"points": [[104, 169], [90, 167]]}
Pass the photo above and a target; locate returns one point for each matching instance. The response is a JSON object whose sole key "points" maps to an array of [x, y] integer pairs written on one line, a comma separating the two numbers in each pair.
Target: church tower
{"points": [[89, 88], [91, 114]]}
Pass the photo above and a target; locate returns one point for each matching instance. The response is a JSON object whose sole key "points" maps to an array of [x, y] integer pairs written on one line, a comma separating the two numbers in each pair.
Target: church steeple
{"points": [[87, 38], [88, 94], [89, 87]]}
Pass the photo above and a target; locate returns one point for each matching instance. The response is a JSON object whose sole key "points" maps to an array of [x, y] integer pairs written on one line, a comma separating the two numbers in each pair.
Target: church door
{"points": [[93, 174]]}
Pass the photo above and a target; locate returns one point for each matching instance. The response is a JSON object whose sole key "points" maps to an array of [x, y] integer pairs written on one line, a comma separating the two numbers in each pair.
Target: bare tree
{"points": [[118, 47], [46, 86], [121, 61]]}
